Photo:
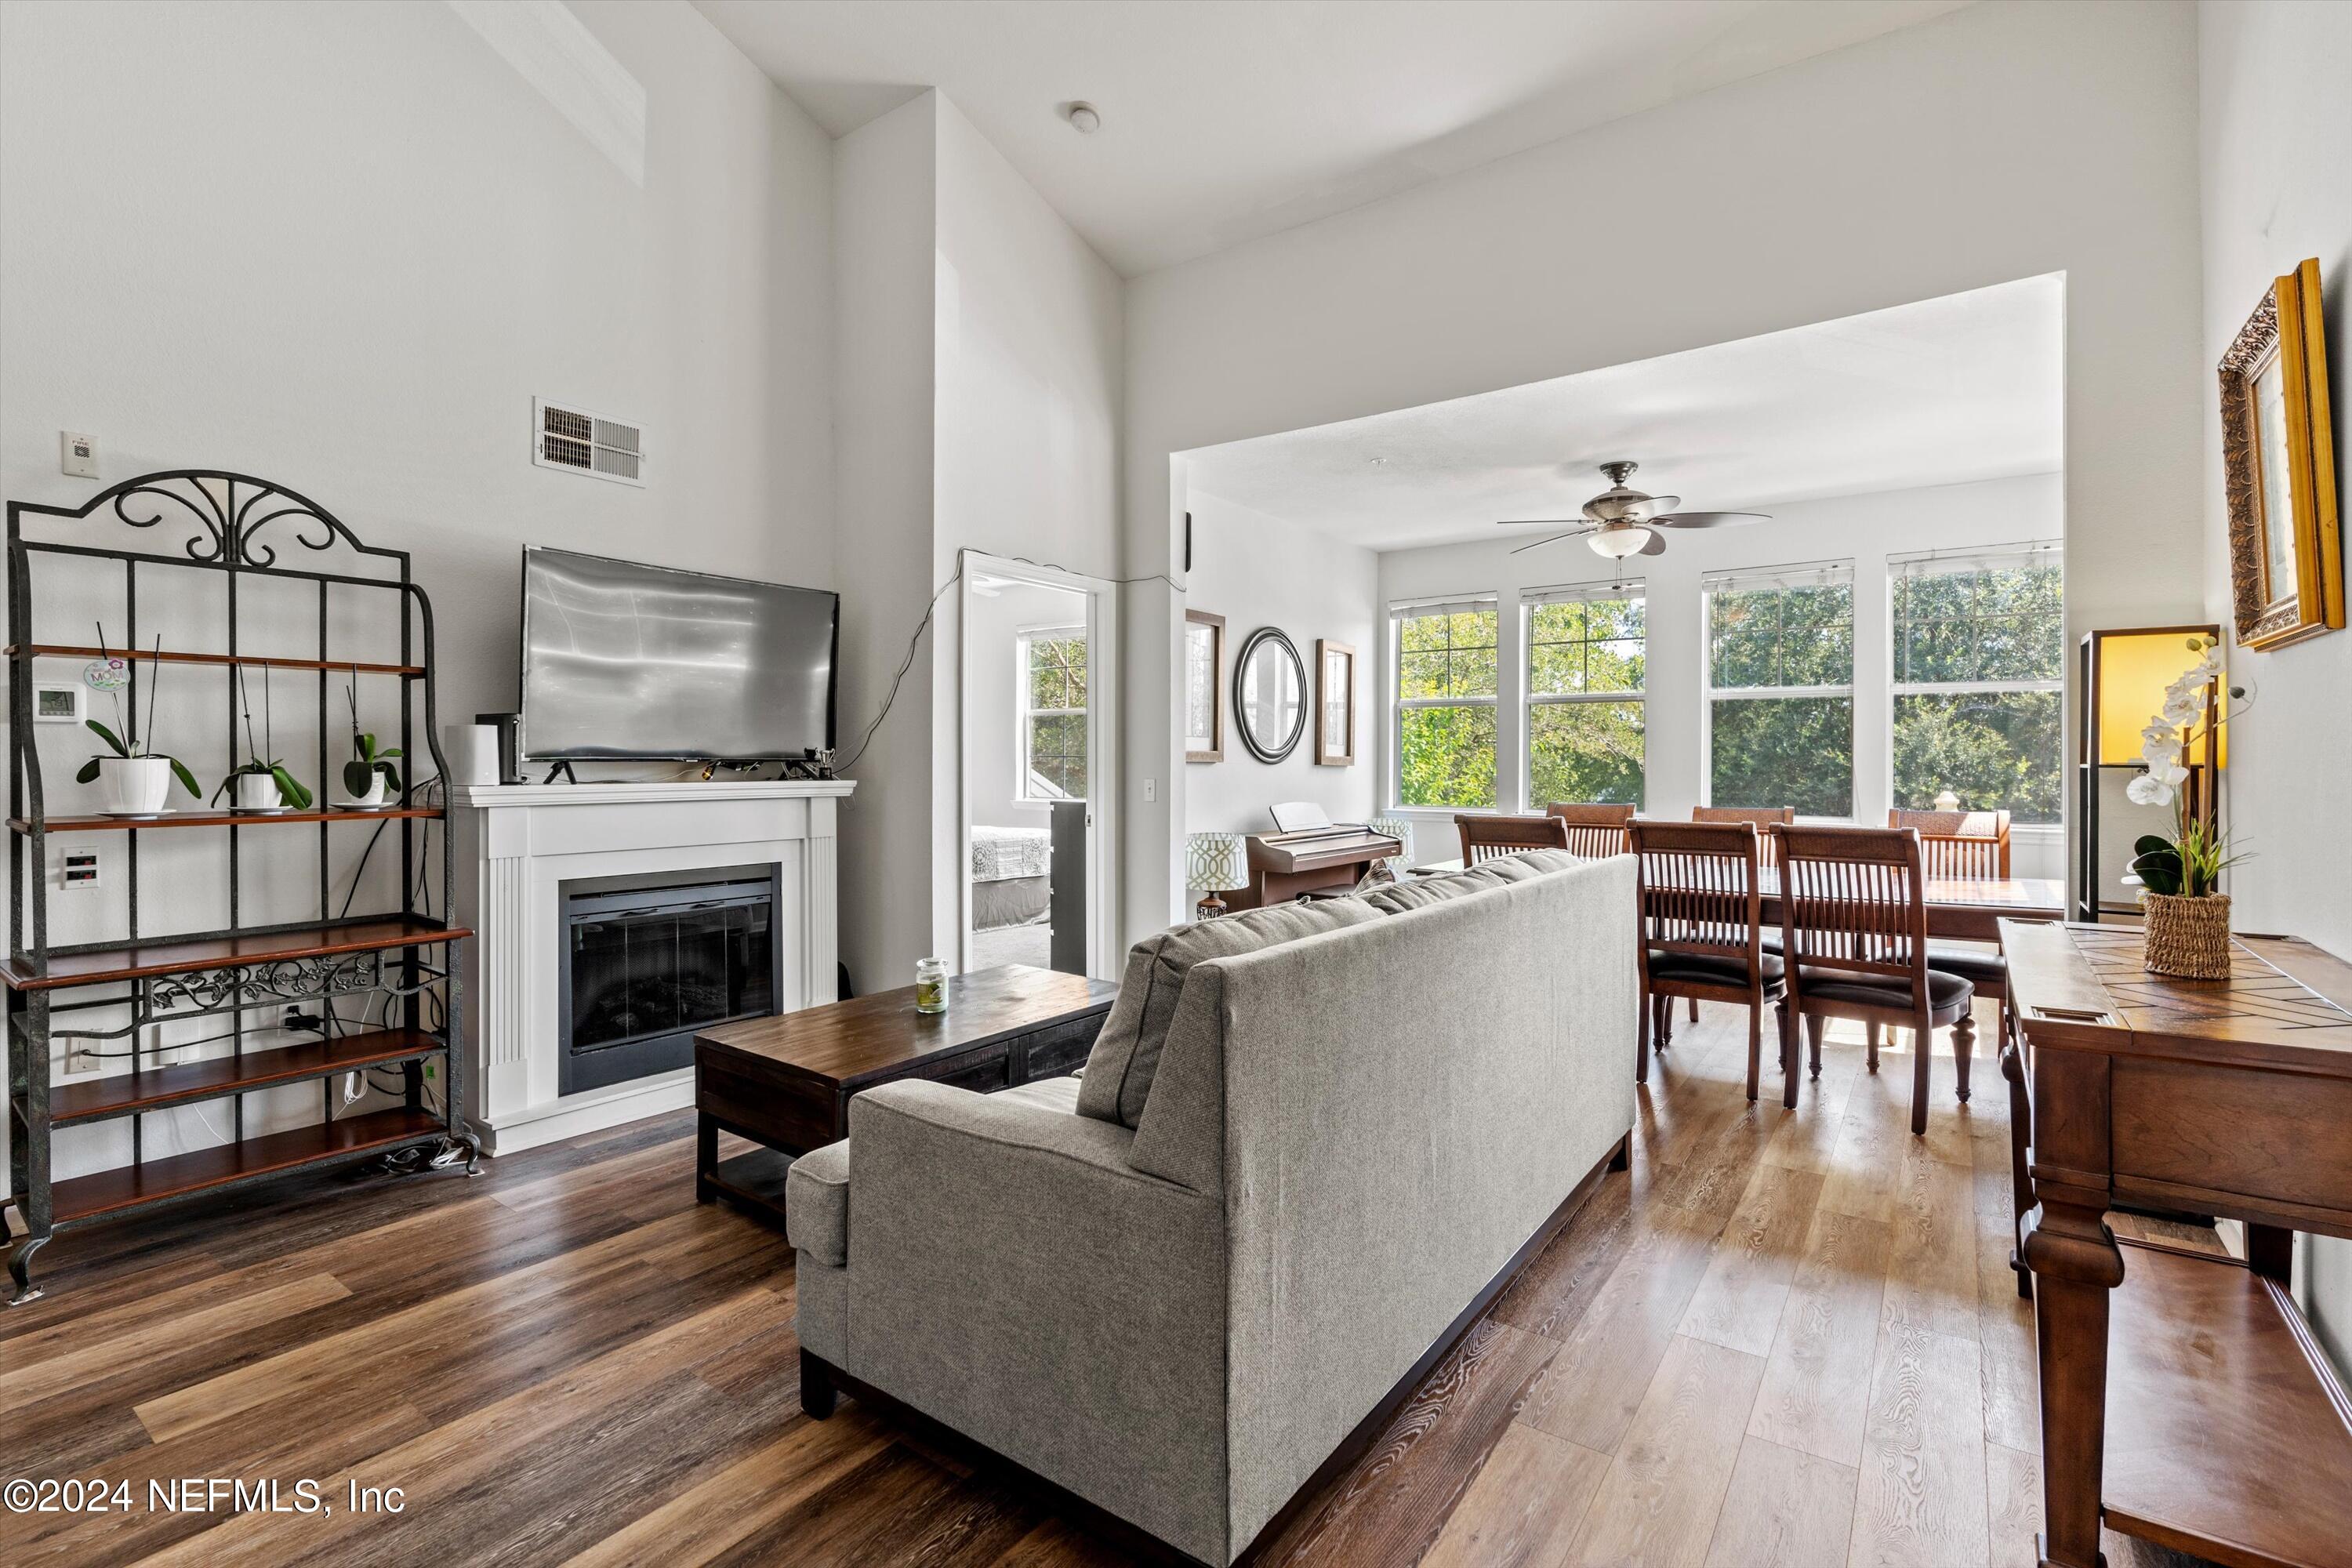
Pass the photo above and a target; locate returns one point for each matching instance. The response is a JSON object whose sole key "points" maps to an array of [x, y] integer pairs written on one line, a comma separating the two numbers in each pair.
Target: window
{"points": [[1978, 662], [1054, 714], [1779, 674], [1585, 649], [1446, 703]]}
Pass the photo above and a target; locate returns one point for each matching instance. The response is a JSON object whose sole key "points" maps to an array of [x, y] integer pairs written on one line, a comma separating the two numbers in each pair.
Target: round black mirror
{"points": [[1270, 695]]}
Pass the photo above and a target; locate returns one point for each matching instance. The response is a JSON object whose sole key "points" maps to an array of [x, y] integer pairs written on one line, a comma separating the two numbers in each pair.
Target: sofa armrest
{"points": [[1015, 1276], [817, 1203]]}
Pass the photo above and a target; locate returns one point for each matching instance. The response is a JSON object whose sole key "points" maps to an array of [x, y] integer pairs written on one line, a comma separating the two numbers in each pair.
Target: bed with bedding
{"points": [[1011, 876]]}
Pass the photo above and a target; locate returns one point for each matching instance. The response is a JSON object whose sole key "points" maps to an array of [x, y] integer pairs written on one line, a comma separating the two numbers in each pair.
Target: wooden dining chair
{"points": [[1485, 837], [1698, 909], [1763, 817], [1854, 935], [1965, 846], [1597, 831]]}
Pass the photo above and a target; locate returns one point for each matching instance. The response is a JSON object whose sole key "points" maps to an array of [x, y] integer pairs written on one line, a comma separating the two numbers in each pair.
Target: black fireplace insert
{"points": [[649, 960]]}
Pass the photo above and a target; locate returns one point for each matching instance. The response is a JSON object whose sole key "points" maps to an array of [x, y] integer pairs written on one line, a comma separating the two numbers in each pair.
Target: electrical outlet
{"points": [[82, 1059], [76, 455], [1151, 791], [77, 869]]}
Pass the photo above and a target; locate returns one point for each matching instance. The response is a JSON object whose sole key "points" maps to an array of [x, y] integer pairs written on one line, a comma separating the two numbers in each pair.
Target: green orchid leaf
{"points": [[365, 745], [355, 778], [187, 780], [391, 774], [88, 774], [2152, 843], [392, 751], [2159, 871], [109, 737], [291, 789]]}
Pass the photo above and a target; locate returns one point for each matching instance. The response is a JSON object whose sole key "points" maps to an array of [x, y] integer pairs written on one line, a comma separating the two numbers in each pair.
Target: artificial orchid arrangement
{"points": [[2189, 864]]}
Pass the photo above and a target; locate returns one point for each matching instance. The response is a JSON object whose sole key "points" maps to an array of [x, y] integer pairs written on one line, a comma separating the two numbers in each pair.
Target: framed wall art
{"points": [[1204, 687], [2278, 460], [1334, 704]]}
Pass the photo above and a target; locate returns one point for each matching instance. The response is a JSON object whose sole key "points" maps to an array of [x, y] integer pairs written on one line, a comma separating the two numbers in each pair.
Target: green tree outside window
{"points": [[1446, 685]]}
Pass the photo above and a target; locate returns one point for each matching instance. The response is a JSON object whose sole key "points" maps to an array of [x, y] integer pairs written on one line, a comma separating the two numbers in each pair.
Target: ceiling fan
{"points": [[1621, 522]]}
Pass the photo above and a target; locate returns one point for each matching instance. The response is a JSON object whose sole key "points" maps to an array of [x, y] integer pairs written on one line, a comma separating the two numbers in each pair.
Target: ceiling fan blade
{"points": [[1555, 539], [1643, 510], [1536, 522], [1709, 519], [1657, 545]]}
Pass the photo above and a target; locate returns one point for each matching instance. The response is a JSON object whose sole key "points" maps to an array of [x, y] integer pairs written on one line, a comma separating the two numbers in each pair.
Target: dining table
{"points": [[1959, 908]]}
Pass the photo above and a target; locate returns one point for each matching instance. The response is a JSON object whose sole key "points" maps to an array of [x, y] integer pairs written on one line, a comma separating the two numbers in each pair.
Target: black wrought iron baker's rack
{"points": [[233, 528]]}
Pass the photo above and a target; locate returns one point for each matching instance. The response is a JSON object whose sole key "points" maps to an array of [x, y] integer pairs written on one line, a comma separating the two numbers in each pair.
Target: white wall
{"points": [[2001, 142], [1864, 530], [885, 394], [979, 373], [343, 246], [2276, 149], [993, 761], [1261, 571]]}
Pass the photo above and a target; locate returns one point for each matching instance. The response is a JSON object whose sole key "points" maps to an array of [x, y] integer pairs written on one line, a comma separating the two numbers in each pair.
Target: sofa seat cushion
{"points": [[1126, 1055], [817, 1203], [1709, 969], [1980, 966], [1840, 985]]}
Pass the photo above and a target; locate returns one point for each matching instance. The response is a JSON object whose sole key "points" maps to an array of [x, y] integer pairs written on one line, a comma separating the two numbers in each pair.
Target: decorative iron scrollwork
{"points": [[221, 507]]}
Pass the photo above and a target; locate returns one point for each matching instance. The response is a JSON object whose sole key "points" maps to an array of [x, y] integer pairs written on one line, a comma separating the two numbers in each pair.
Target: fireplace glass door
{"points": [[648, 967]]}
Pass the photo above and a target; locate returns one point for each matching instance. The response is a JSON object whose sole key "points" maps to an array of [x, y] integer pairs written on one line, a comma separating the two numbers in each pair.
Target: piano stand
{"points": [[1323, 862]]}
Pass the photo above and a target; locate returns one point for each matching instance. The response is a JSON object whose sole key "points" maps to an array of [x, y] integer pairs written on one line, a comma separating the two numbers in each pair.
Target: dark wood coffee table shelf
{"points": [[156, 1088], [214, 819], [785, 1082], [166, 956], [183, 1176]]}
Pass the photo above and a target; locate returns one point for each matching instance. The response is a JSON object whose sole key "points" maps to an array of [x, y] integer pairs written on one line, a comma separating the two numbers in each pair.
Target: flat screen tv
{"points": [[623, 661]]}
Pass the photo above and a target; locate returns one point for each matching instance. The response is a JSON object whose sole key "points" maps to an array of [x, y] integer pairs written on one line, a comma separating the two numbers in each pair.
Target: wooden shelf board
{"points": [[345, 665], [214, 819], [166, 956], [158, 1086], [86, 1197], [2226, 1434]]}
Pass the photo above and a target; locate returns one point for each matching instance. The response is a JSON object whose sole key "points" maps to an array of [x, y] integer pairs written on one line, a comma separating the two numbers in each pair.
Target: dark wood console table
{"points": [[2183, 1397], [786, 1082]]}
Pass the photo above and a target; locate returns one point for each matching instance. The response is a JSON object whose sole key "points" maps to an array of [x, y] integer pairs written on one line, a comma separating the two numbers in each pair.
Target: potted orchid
{"points": [[137, 778], [2187, 914]]}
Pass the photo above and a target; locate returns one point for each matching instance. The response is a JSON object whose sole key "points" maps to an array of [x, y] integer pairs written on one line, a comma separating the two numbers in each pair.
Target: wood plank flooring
{"points": [[1784, 1338]]}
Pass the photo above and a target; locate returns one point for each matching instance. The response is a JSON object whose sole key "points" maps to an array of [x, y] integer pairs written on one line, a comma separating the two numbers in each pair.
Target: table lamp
{"points": [[1393, 828], [1212, 860]]}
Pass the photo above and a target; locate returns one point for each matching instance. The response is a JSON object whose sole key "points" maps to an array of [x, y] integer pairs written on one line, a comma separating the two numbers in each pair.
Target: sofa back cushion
{"points": [[1126, 1055], [1419, 892]]}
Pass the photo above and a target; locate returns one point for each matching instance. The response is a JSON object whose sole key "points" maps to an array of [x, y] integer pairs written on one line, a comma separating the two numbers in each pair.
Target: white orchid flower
{"points": [[2167, 772], [2159, 736], [2146, 789], [2180, 709]]}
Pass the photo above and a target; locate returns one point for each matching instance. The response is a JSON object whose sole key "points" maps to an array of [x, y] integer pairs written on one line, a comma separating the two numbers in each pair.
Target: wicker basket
{"points": [[2188, 937]]}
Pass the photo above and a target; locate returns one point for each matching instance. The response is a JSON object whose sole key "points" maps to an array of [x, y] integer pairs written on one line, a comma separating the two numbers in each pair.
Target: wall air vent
{"points": [[586, 443]]}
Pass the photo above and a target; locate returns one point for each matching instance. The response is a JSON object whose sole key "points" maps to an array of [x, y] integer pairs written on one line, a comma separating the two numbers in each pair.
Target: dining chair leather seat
{"points": [[1981, 966], [1708, 968], [1944, 990]]}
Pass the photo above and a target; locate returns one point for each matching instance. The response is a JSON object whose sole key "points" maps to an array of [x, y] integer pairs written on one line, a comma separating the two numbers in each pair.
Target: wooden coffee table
{"points": [[785, 1082]]}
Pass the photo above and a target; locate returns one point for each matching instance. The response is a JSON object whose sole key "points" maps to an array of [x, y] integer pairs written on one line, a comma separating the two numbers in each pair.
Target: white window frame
{"points": [[1532, 599], [1399, 704], [1026, 715], [1964, 559], [1800, 575]]}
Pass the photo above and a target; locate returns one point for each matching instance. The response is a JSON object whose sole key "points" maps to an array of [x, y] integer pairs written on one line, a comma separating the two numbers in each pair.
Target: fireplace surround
{"points": [[609, 845]]}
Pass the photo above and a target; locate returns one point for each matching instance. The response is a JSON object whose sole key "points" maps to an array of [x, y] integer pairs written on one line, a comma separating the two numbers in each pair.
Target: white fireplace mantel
{"points": [[526, 840]]}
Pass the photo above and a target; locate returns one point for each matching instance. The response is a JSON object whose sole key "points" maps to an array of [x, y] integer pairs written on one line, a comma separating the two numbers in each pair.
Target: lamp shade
{"points": [[2134, 668], [1213, 861], [1393, 827]]}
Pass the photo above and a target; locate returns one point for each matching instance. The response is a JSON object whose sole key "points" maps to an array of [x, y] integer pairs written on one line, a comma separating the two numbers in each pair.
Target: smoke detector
{"points": [[1084, 118]]}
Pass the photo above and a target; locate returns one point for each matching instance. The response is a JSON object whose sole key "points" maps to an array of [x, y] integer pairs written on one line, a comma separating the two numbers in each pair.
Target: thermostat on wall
{"points": [[57, 702]]}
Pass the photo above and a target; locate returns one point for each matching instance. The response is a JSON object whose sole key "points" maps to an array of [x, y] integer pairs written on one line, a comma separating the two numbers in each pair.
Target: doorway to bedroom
{"points": [[1036, 693]]}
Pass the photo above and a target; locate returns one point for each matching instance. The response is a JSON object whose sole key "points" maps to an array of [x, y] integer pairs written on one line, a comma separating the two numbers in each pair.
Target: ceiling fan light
{"points": [[1619, 543]]}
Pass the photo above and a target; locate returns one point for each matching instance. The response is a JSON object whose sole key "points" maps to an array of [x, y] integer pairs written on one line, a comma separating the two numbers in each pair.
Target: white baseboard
{"points": [[553, 1121]]}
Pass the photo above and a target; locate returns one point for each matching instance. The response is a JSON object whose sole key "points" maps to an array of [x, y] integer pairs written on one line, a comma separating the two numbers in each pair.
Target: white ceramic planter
{"points": [[258, 792], [135, 785]]}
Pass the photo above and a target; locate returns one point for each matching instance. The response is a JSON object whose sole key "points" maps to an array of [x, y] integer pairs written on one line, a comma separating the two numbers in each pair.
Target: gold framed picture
{"points": [[2278, 460], [1204, 687], [1334, 704]]}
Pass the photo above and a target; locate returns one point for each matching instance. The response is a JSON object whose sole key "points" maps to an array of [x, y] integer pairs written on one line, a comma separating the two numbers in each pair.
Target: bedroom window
{"points": [[1053, 739], [1446, 673], [1980, 666], [1585, 658], [1780, 677]]}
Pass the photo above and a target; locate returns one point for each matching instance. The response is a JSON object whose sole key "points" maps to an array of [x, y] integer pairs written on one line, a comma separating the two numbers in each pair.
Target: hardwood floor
{"points": [[1781, 1338]]}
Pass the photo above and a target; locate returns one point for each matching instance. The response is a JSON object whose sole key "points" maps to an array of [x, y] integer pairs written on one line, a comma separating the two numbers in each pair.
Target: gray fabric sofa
{"points": [[1346, 1139]]}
